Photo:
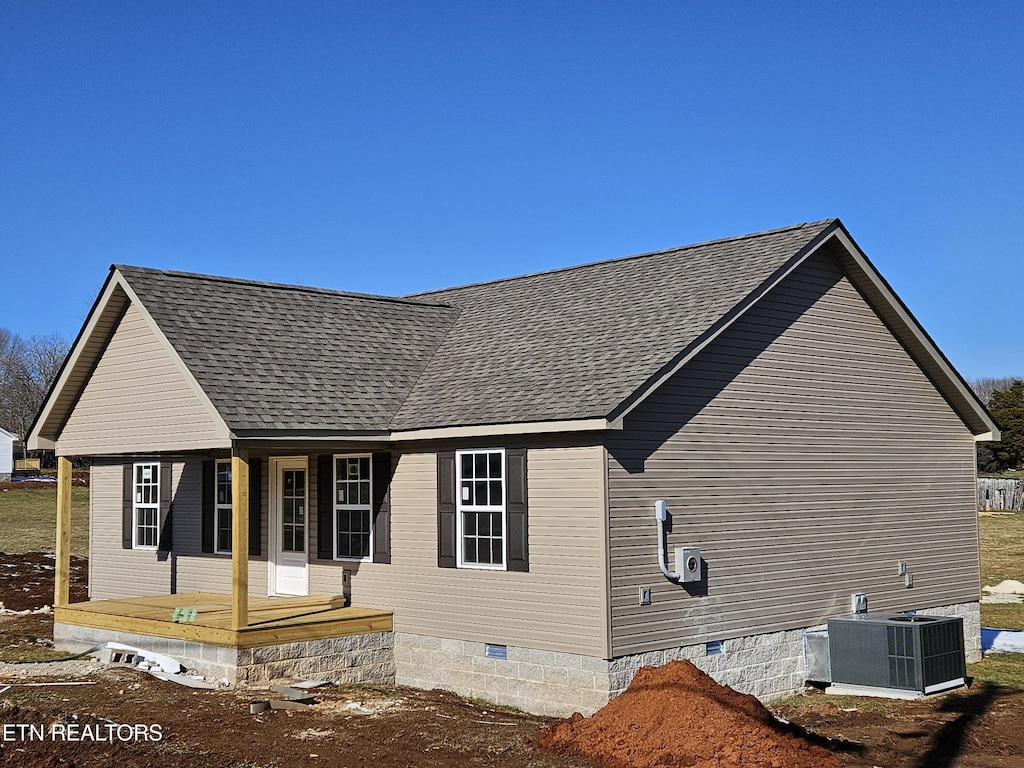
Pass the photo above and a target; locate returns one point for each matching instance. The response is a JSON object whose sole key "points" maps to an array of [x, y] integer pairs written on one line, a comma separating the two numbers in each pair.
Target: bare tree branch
{"points": [[27, 369]]}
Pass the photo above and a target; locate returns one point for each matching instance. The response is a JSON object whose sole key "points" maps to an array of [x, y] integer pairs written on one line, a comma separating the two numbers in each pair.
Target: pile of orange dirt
{"points": [[678, 716]]}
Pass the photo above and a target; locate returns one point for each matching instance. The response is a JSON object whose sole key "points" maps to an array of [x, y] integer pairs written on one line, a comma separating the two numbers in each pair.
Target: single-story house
{"points": [[457, 489], [7, 440]]}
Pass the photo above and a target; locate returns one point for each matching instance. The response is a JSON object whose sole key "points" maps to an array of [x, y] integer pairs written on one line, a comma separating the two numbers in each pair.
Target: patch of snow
{"points": [[1001, 641], [1005, 587]]}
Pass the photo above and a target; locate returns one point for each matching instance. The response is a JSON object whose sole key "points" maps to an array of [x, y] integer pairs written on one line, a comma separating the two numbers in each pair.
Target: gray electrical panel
{"points": [[923, 654]]}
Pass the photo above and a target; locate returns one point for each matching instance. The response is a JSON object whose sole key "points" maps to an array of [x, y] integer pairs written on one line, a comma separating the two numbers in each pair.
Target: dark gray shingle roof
{"points": [[275, 357], [569, 344], [576, 342]]}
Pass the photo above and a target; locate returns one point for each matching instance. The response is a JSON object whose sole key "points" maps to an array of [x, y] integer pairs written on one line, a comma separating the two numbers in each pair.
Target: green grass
{"points": [[1002, 547], [28, 519], [1015, 473], [1003, 616], [1003, 669]]}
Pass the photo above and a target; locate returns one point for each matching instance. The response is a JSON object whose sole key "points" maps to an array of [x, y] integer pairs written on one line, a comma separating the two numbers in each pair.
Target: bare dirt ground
{"points": [[383, 726]]}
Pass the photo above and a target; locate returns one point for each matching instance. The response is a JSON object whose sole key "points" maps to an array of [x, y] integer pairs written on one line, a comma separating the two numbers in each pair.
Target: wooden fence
{"points": [[1000, 493]]}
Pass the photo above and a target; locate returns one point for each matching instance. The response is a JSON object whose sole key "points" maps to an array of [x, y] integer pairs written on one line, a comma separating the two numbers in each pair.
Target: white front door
{"points": [[289, 526]]}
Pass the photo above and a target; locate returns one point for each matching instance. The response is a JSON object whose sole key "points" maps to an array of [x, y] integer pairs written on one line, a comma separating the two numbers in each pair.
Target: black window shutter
{"points": [[209, 492], [166, 519], [516, 505], [324, 507], [382, 507], [446, 542], [127, 534], [255, 523]]}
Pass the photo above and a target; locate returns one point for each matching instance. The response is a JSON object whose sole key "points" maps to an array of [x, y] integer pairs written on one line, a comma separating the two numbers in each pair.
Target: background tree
{"points": [[1007, 408], [983, 387], [27, 370]]}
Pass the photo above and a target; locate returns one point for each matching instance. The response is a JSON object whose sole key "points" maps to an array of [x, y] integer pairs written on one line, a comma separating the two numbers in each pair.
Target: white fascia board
{"points": [[485, 430], [443, 433], [738, 312], [247, 437], [919, 335], [33, 439], [223, 432]]}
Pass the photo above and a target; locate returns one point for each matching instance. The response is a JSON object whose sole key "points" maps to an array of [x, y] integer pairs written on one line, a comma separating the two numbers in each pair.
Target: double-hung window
{"points": [[223, 507], [146, 505], [353, 494], [480, 503]]}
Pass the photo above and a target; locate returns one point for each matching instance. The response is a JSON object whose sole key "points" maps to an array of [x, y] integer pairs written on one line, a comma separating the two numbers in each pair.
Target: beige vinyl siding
{"points": [[139, 399], [559, 605], [805, 453], [89, 347], [117, 572]]}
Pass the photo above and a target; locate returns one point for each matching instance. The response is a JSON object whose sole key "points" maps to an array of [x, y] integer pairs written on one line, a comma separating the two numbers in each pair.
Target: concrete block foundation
{"points": [[542, 682], [365, 658]]}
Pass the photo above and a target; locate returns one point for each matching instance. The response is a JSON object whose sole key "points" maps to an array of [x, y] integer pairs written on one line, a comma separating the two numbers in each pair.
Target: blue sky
{"points": [[392, 147]]}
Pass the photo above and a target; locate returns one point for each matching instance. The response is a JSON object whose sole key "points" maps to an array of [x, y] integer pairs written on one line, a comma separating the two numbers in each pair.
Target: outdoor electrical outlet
{"points": [[908, 579], [645, 595]]}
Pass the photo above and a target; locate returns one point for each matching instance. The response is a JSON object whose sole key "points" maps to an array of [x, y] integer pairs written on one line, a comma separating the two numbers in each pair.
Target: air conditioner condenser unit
{"points": [[913, 653]]}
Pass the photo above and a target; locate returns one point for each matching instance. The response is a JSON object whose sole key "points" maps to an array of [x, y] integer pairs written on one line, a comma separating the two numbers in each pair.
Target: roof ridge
{"points": [[283, 286], [822, 223]]}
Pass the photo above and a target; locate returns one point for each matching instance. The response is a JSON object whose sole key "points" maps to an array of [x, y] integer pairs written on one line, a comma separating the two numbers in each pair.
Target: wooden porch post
{"points": [[62, 574], [239, 537]]}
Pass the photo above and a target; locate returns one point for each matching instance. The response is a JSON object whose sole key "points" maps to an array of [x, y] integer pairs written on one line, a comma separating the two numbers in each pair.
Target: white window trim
{"points": [[218, 507], [503, 508], [336, 507], [136, 504]]}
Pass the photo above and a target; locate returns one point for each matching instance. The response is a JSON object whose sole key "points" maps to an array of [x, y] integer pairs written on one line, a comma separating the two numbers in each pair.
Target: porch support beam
{"points": [[62, 567], [239, 537]]}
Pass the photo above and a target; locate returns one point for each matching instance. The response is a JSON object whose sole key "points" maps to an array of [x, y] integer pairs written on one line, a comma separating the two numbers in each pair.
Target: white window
{"points": [[223, 507], [146, 505], [480, 508], [353, 511]]}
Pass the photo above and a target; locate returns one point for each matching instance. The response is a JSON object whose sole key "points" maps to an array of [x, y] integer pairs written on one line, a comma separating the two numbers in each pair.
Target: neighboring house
{"points": [[7, 440], [483, 463]]}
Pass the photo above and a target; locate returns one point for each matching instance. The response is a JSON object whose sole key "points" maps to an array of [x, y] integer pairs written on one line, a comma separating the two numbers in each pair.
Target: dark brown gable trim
{"points": [[446, 543]]}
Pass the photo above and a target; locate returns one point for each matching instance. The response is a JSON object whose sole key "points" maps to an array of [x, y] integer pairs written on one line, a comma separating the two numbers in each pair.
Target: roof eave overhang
{"points": [[520, 428], [428, 433]]}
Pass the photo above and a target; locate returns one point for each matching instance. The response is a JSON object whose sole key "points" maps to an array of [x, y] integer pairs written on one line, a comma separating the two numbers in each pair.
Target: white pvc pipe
{"points": [[661, 514]]}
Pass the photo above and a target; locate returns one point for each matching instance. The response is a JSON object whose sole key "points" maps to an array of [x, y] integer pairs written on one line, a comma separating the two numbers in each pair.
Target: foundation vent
{"points": [[495, 651]]}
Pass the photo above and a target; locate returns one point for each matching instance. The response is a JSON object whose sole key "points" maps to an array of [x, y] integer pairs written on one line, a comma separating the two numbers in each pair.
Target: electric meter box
{"points": [[688, 564]]}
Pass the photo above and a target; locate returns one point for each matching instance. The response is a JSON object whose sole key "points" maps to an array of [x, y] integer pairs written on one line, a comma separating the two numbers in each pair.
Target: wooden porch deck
{"points": [[272, 620]]}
